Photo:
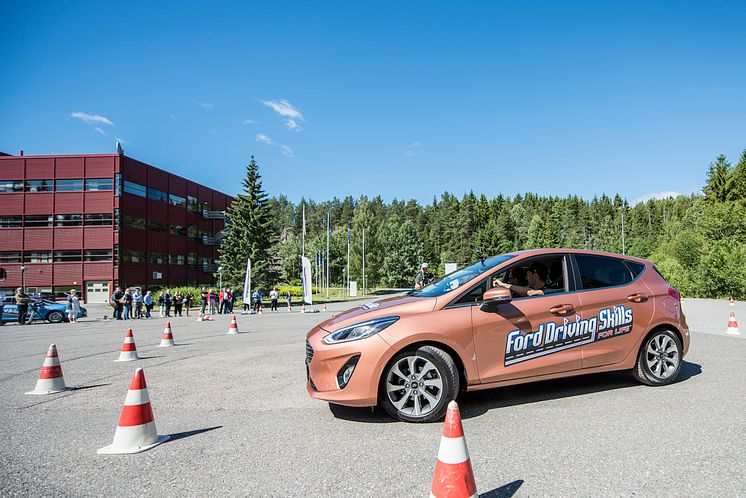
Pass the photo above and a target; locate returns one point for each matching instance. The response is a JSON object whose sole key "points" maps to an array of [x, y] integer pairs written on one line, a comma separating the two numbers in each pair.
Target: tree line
{"points": [[698, 242]]}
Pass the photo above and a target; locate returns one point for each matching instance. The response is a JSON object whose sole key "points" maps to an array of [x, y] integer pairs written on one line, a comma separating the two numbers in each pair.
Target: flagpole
{"points": [[363, 261], [328, 229], [348, 259], [303, 239]]}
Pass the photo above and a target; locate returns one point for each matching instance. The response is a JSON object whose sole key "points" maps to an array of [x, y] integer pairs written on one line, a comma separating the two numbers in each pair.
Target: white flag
{"points": [[306, 280], [247, 283]]}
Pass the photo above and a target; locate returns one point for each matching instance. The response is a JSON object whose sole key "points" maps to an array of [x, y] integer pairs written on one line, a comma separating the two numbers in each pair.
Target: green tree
{"points": [[402, 253], [718, 180], [250, 235]]}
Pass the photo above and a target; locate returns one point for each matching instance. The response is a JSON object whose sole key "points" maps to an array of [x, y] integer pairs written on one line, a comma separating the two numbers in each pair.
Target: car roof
{"points": [[537, 252]]}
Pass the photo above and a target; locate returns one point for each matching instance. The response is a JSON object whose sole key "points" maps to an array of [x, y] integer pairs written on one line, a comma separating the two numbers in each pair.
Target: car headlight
{"points": [[359, 330]]}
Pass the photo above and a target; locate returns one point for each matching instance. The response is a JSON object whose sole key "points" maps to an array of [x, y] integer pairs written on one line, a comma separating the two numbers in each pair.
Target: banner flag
{"points": [[247, 282], [306, 280]]}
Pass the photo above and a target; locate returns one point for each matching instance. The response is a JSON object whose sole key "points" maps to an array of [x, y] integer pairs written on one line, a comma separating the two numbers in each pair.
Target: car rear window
{"points": [[602, 271], [635, 268]]}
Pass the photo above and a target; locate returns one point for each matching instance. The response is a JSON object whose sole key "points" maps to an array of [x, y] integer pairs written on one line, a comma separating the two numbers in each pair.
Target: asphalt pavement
{"points": [[242, 424]]}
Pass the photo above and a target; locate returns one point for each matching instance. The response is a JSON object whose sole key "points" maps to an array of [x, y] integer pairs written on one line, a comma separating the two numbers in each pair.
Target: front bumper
{"points": [[324, 361]]}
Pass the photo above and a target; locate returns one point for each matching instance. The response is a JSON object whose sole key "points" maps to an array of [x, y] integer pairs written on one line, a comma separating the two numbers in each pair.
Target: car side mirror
{"points": [[494, 297]]}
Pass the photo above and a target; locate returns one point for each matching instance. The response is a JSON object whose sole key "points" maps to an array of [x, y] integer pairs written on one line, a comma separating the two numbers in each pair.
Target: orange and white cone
{"points": [[732, 302], [168, 338], [129, 348], [324, 306], [233, 327], [453, 474], [199, 316], [732, 325], [50, 377], [136, 430]]}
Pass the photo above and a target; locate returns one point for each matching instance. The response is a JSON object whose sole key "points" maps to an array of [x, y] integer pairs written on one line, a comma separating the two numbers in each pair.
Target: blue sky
{"points": [[402, 99]]}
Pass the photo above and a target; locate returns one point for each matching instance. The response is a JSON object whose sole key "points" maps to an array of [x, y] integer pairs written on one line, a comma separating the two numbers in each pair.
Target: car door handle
{"points": [[562, 309], [638, 298]]}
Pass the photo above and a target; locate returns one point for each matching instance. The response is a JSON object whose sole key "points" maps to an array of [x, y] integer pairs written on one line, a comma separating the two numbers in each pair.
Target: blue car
{"points": [[47, 310]]}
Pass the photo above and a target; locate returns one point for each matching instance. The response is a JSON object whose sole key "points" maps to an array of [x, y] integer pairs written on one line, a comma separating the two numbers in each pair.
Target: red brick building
{"points": [[92, 222]]}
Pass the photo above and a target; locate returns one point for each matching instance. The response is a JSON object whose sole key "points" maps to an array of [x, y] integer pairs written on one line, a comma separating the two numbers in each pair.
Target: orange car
{"points": [[510, 319]]}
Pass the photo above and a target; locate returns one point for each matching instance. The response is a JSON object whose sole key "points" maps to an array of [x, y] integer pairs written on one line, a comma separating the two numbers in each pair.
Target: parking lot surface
{"points": [[241, 422]]}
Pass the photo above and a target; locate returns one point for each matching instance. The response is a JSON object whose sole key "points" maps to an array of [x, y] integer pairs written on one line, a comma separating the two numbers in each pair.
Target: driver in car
{"points": [[537, 278]]}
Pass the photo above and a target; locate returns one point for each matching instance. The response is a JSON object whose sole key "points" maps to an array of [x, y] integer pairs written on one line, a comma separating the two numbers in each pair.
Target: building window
{"points": [[176, 200], [191, 258], [98, 219], [176, 259], [193, 205], [133, 222], [97, 255], [157, 195], [134, 256], [94, 184], [157, 258], [157, 226], [11, 186], [75, 185], [38, 220], [67, 256], [10, 221], [39, 185], [177, 230], [68, 220], [117, 184], [10, 257], [135, 189], [37, 257], [117, 219], [192, 232]]}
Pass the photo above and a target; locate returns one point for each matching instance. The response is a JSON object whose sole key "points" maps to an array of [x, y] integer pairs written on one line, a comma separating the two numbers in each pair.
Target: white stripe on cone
{"points": [[233, 327], [453, 450], [50, 385], [128, 355], [167, 340]]}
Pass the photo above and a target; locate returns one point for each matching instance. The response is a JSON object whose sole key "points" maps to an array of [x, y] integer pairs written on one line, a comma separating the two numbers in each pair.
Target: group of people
{"points": [[132, 304], [257, 297], [217, 303]]}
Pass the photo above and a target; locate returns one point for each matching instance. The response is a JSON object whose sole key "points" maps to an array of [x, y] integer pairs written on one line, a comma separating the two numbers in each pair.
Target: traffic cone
{"points": [[50, 377], [136, 430], [233, 327], [732, 325], [453, 475], [129, 348], [303, 307], [324, 306], [732, 302], [168, 339], [199, 316]]}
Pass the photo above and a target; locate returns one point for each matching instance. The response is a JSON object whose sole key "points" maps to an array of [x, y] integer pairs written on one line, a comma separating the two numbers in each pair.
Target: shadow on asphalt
{"points": [[476, 403], [505, 491], [79, 388], [182, 435], [149, 357]]}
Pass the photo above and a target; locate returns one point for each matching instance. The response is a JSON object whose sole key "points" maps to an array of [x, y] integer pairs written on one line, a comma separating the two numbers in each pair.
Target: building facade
{"points": [[92, 222]]}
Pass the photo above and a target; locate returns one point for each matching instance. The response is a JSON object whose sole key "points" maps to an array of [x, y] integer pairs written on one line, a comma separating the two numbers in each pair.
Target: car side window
{"points": [[602, 271], [474, 295], [553, 267]]}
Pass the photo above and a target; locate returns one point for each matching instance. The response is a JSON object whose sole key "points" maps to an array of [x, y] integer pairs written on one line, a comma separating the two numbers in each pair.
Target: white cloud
{"points": [[249, 121], [287, 151], [206, 105], [284, 108], [655, 195], [263, 138], [91, 119], [293, 125], [100, 130], [412, 149]]}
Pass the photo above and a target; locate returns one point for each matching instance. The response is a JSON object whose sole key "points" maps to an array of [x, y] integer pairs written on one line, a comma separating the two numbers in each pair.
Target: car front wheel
{"points": [[55, 317], [659, 360], [417, 384]]}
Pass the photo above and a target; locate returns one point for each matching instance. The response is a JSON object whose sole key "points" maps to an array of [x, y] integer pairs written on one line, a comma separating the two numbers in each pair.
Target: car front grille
{"points": [[309, 353]]}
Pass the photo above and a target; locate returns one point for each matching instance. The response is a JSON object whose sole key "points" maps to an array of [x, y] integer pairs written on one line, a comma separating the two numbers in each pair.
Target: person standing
{"points": [[187, 302], [255, 301], [178, 303], [161, 304], [127, 304], [167, 301], [117, 300], [204, 299], [221, 308], [424, 278], [148, 301], [273, 297], [21, 305], [73, 306], [233, 299], [213, 302], [289, 300], [137, 298]]}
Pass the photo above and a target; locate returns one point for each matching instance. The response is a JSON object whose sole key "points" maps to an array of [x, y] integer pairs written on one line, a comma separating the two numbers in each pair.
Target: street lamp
{"points": [[220, 277], [23, 278]]}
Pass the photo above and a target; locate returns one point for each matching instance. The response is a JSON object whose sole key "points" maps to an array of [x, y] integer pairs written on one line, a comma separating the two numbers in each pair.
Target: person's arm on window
{"points": [[517, 290]]}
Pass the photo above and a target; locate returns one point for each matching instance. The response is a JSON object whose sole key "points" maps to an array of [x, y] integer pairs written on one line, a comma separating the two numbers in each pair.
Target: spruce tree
{"points": [[250, 235]]}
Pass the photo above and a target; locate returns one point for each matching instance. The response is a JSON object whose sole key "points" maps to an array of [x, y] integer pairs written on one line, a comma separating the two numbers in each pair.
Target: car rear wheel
{"points": [[55, 317], [659, 360], [417, 384]]}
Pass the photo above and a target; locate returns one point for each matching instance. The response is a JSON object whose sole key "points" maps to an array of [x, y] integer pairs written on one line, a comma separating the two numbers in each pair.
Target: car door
{"points": [[530, 336], [612, 294]]}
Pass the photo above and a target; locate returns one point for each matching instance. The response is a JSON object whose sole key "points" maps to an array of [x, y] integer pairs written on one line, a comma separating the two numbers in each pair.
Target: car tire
{"points": [[418, 383], [55, 317], [659, 359]]}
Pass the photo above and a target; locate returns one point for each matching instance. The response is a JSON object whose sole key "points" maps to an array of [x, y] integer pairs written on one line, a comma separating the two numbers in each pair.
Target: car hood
{"points": [[395, 306]]}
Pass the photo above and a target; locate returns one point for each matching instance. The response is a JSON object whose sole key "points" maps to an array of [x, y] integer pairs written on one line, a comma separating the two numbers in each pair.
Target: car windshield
{"points": [[454, 280]]}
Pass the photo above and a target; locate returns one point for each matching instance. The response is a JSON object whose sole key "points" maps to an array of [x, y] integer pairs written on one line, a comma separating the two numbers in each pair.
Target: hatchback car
{"points": [[510, 319], [50, 311]]}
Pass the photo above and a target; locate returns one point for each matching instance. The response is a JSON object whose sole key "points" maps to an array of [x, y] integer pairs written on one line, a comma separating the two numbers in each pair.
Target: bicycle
{"points": [[32, 313]]}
